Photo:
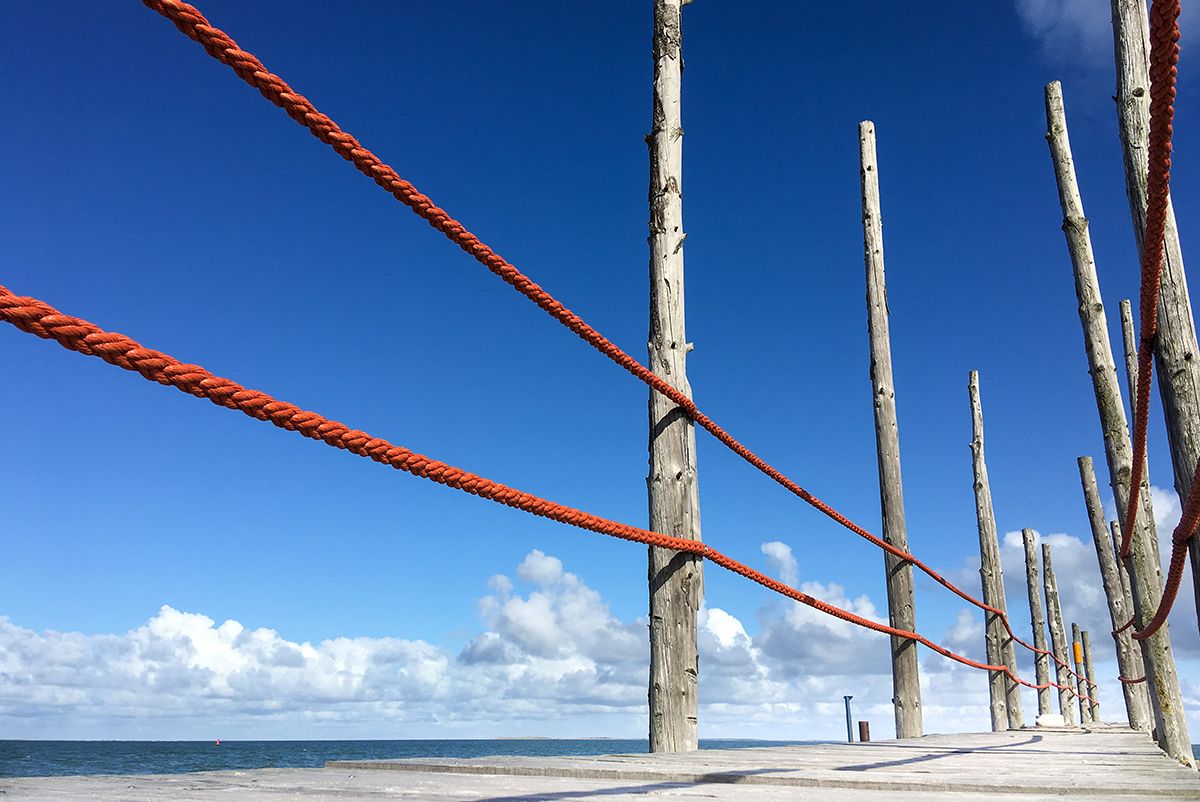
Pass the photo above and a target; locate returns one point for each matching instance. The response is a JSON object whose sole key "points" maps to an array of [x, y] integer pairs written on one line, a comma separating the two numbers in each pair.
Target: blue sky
{"points": [[152, 192]]}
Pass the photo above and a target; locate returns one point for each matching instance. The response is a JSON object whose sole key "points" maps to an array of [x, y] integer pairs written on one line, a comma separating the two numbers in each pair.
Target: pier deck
{"points": [[1108, 763]]}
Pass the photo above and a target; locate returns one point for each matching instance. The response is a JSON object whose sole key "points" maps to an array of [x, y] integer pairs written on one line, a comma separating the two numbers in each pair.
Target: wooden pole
{"points": [[1037, 622], [1176, 359], [676, 579], [906, 682], [1081, 677], [1005, 695], [1131, 382], [1120, 605], [1144, 570], [1091, 675], [1058, 638], [1129, 340]]}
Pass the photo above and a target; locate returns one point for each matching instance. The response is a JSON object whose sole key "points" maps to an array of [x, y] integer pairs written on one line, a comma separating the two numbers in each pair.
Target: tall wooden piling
{"points": [[906, 683], [1081, 677], [1091, 675], [676, 579], [1120, 605], [1175, 349], [1129, 340], [1004, 694], [1058, 638], [1143, 568], [1037, 622]]}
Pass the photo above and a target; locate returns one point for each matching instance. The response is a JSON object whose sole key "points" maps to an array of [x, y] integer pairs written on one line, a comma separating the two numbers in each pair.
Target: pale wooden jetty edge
{"points": [[1101, 762], [1105, 763]]}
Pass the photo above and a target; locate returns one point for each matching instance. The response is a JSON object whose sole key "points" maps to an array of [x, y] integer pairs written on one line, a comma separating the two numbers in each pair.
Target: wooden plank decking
{"points": [[1109, 763]]}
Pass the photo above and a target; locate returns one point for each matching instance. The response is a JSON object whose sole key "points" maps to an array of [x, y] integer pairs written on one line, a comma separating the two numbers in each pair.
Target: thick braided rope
{"points": [[220, 46], [1185, 530], [75, 334], [1164, 56]]}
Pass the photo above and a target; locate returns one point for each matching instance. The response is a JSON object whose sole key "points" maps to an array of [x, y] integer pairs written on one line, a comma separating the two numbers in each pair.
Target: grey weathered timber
{"points": [[1175, 350], [676, 579], [1004, 694], [1091, 674], [1129, 340], [1120, 605], [906, 682], [1144, 570], [1058, 638], [1108, 763], [1037, 622], [1081, 677]]}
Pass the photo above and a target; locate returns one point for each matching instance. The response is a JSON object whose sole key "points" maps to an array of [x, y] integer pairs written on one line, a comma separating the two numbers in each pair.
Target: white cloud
{"points": [[783, 561], [551, 659], [540, 569], [1073, 31]]}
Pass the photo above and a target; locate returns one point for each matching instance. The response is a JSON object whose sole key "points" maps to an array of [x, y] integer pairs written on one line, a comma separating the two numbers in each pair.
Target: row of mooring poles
{"points": [[1133, 586], [1142, 567]]}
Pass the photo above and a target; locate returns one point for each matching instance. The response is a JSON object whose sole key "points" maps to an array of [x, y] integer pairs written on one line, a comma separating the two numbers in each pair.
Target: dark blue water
{"points": [[46, 758]]}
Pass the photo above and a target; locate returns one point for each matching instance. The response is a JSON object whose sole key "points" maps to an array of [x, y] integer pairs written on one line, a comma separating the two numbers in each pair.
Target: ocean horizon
{"points": [[45, 758]]}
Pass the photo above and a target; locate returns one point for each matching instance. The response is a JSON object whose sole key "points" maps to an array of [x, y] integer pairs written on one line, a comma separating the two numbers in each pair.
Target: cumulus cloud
{"points": [[550, 658], [783, 561]]}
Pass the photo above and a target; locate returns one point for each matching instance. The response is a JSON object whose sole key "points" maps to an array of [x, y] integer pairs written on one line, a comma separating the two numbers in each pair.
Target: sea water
{"points": [[46, 758]]}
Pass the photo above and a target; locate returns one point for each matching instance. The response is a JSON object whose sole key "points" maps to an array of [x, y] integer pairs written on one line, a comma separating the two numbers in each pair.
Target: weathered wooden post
{"points": [[1081, 677], [676, 579], [1144, 575], [1037, 623], [1175, 350], [1091, 675], [1120, 605], [906, 683], [1058, 637], [1123, 572], [1129, 340], [1005, 695], [1131, 384]]}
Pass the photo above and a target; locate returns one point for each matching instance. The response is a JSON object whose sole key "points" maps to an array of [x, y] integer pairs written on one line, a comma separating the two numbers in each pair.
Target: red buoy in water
{"points": [[218, 742]]}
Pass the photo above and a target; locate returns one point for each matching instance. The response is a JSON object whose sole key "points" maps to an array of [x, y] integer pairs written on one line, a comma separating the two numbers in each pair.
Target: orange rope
{"points": [[1164, 58], [43, 320], [224, 49]]}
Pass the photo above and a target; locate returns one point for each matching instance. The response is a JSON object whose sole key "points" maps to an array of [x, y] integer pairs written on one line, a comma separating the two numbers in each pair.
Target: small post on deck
{"points": [[906, 682], [849, 720], [1005, 695], [1091, 675], [1058, 637], [676, 579], [1037, 622], [1120, 605], [1081, 677], [864, 731]]}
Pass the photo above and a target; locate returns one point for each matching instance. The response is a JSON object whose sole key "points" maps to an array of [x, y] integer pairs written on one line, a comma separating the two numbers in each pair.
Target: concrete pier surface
{"points": [[1104, 763]]}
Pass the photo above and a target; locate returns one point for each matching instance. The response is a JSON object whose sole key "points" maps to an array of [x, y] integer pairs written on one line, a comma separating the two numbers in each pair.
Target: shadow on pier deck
{"points": [[1105, 763]]}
